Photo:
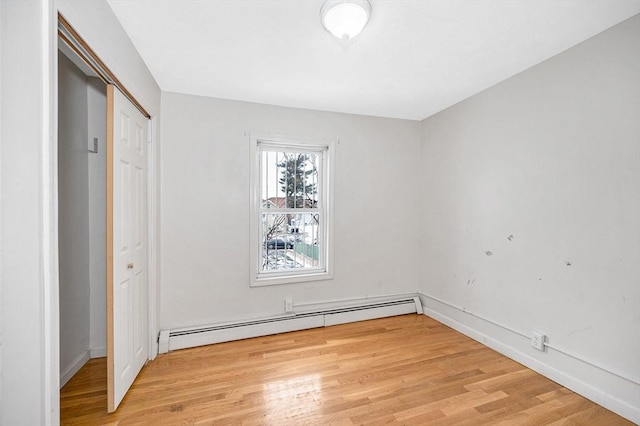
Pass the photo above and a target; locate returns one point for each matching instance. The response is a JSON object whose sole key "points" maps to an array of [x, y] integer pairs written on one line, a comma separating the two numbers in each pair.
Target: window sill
{"points": [[291, 279]]}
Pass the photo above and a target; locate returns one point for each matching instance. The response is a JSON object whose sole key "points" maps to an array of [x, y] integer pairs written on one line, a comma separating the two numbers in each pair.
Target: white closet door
{"points": [[127, 245]]}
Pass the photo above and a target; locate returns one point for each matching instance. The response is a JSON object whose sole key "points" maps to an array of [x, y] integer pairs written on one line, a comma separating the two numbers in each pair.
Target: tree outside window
{"points": [[292, 210]]}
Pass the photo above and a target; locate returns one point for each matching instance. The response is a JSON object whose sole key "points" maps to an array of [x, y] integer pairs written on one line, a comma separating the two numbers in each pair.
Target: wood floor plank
{"points": [[408, 370]]}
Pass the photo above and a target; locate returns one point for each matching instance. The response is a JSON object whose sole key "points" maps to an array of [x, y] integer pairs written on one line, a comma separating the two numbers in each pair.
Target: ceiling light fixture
{"points": [[345, 18]]}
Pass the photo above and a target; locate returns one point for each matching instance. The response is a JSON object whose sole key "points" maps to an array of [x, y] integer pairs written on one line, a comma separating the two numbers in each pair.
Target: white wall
{"points": [[28, 348], [543, 171], [24, 126], [73, 213], [205, 208], [97, 164]]}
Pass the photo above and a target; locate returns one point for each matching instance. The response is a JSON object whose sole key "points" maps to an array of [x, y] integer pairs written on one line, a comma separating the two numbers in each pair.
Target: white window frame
{"points": [[325, 199]]}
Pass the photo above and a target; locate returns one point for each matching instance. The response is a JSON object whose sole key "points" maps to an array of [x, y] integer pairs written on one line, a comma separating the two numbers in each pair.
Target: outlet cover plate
{"points": [[537, 340], [288, 305]]}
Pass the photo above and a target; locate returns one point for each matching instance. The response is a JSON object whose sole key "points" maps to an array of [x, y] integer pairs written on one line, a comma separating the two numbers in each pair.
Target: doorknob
{"points": [[130, 266]]}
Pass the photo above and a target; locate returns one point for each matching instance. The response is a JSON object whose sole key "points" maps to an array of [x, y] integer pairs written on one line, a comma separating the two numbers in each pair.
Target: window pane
{"points": [[289, 179], [290, 241]]}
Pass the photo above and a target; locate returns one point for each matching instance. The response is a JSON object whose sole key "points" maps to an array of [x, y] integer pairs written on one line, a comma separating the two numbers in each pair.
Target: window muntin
{"points": [[290, 215]]}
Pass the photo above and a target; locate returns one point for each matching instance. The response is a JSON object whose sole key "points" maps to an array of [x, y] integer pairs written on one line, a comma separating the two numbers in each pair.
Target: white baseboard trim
{"points": [[436, 310], [98, 352], [70, 370]]}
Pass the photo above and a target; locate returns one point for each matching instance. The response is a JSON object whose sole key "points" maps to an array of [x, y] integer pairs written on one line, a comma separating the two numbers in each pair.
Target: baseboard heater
{"points": [[170, 340]]}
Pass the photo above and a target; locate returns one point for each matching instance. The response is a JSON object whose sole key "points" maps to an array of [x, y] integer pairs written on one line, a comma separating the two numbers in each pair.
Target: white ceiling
{"points": [[413, 59]]}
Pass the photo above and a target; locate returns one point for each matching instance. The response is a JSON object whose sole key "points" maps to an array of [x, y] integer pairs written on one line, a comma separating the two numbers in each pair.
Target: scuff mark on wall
{"points": [[488, 253], [579, 331]]}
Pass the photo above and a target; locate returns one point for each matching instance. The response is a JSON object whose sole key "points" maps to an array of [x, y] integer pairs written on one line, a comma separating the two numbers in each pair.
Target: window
{"points": [[291, 211]]}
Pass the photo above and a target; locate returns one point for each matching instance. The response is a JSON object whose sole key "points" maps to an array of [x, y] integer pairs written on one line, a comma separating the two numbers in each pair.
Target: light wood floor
{"points": [[407, 370]]}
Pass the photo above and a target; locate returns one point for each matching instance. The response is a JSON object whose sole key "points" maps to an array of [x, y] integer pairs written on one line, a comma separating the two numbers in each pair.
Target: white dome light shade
{"points": [[345, 19]]}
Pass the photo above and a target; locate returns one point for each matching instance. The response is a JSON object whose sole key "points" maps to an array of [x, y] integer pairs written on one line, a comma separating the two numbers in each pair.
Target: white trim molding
{"points": [[613, 390], [100, 352], [50, 256], [70, 370], [153, 236]]}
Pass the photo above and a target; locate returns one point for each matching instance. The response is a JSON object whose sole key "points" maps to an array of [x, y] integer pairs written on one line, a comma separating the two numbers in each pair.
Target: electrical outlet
{"points": [[537, 340], [288, 305]]}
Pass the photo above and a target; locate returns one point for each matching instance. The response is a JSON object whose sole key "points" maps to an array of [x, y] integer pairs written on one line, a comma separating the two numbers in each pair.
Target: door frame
{"points": [[51, 303]]}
